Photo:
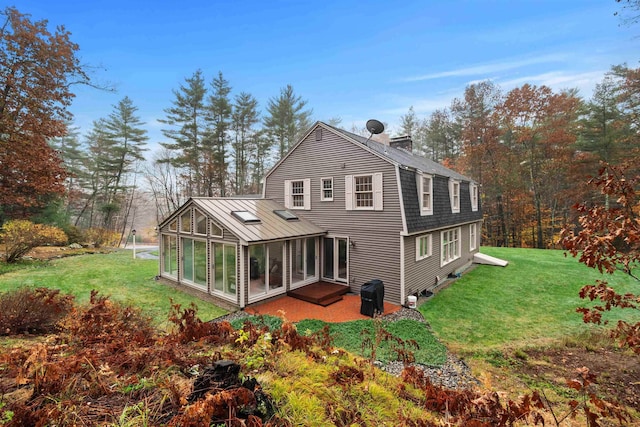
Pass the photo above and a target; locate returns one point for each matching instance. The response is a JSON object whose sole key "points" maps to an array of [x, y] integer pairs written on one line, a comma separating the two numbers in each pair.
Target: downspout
{"points": [[402, 285]]}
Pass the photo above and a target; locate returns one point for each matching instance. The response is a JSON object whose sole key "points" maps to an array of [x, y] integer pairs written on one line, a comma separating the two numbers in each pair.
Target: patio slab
{"points": [[295, 310]]}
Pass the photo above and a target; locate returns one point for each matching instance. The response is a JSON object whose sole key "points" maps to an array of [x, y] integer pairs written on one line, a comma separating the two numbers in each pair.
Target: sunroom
{"points": [[240, 250]]}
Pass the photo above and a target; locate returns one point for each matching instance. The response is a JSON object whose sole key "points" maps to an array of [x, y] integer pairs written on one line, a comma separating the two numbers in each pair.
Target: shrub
{"points": [[74, 234], [102, 237], [20, 236], [28, 310]]}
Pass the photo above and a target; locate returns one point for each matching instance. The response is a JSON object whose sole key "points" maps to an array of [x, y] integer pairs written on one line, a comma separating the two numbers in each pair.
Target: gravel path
{"points": [[453, 374]]}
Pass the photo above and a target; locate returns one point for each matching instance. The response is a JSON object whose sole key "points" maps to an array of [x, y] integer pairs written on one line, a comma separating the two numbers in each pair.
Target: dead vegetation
{"points": [[106, 365]]}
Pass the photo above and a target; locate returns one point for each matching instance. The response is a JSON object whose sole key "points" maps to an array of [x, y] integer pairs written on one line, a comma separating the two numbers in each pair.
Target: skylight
{"points": [[245, 216], [286, 215]]}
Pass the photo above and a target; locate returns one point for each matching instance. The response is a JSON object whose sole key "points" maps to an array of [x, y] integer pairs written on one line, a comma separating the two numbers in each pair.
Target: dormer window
{"points": [[454, 195], [473, 192], [425, 190]]}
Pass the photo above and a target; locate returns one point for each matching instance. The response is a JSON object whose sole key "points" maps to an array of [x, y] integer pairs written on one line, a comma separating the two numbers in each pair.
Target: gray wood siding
{"points": [[423, 274], [376, 234]]}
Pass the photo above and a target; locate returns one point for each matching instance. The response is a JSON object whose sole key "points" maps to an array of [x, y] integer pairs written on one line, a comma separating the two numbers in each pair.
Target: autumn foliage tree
{"points": [[37, 70], [608, 238]]}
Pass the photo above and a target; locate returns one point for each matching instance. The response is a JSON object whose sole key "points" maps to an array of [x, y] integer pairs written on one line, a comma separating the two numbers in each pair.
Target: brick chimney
{"points": [[402, 142]]}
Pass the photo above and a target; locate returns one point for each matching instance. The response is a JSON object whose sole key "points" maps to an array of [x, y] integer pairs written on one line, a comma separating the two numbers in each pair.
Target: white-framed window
{"points": [[326, 189], [450, 245], [473, 237], [424, 246], [297, 194], [425, 190], [173, 225], [363, 192], [473, 192], [454, 195]]}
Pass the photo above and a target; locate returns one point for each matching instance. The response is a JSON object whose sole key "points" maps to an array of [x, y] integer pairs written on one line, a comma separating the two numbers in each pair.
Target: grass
{"points": [[531, 301], [115, 274], [350, 336]]}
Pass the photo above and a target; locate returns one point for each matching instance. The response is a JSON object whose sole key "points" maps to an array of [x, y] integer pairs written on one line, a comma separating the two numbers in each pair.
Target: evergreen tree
{"points": [[409, 123], [126, 140], [602, 126], [73, 156], [438, 138], [244, 117], [186, 128], [218, 119], [286, 119]]}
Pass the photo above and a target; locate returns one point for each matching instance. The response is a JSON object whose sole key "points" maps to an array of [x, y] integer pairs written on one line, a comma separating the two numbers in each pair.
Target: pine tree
{"points": [[244, 117], [218, 119], [73, 156], [186, 128], [286, 119], [126, 140]]}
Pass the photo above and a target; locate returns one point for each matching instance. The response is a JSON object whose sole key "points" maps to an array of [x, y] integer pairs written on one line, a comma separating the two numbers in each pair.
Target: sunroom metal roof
{"points": [[270, 227]]}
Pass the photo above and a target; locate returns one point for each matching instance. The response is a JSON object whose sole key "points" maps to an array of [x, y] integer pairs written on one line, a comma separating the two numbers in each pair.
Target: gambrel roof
{"points": [[395, 156], [402, 157]]}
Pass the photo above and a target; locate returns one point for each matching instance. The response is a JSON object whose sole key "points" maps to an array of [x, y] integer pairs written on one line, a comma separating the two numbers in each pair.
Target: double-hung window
{"points": [[473, 192], [423, 246], [473, 237], [326, 189], [450, 245], [363, 192], [454, 195], [425, 189], [297, 194]]}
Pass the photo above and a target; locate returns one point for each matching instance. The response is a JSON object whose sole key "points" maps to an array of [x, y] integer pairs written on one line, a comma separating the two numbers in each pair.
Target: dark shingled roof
{"points": [[404, 158]]}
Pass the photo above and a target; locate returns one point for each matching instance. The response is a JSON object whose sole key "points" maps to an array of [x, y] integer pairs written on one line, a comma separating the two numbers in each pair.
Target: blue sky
{"points": [[350, 59]]}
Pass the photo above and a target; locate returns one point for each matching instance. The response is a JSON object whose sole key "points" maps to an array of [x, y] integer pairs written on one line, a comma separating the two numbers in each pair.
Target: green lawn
{"points": [[532, 300], [350, 336], [116, 274]]}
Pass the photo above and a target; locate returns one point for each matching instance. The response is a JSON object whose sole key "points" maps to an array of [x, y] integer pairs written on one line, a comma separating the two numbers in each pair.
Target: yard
{"points": [[519, 325], [115, 274], [516, 326]]}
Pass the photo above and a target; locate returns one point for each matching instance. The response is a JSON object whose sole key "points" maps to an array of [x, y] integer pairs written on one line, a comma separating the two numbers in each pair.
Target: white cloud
{"points": [[490, 68], [558, 80]]}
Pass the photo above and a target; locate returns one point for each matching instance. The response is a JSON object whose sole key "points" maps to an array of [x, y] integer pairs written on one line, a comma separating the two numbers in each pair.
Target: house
{"points": [[337, 208]]}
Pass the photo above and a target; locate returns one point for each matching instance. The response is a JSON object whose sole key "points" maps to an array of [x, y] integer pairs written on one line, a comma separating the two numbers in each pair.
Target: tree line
{"points": [[216, 145], [531, 149]]}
